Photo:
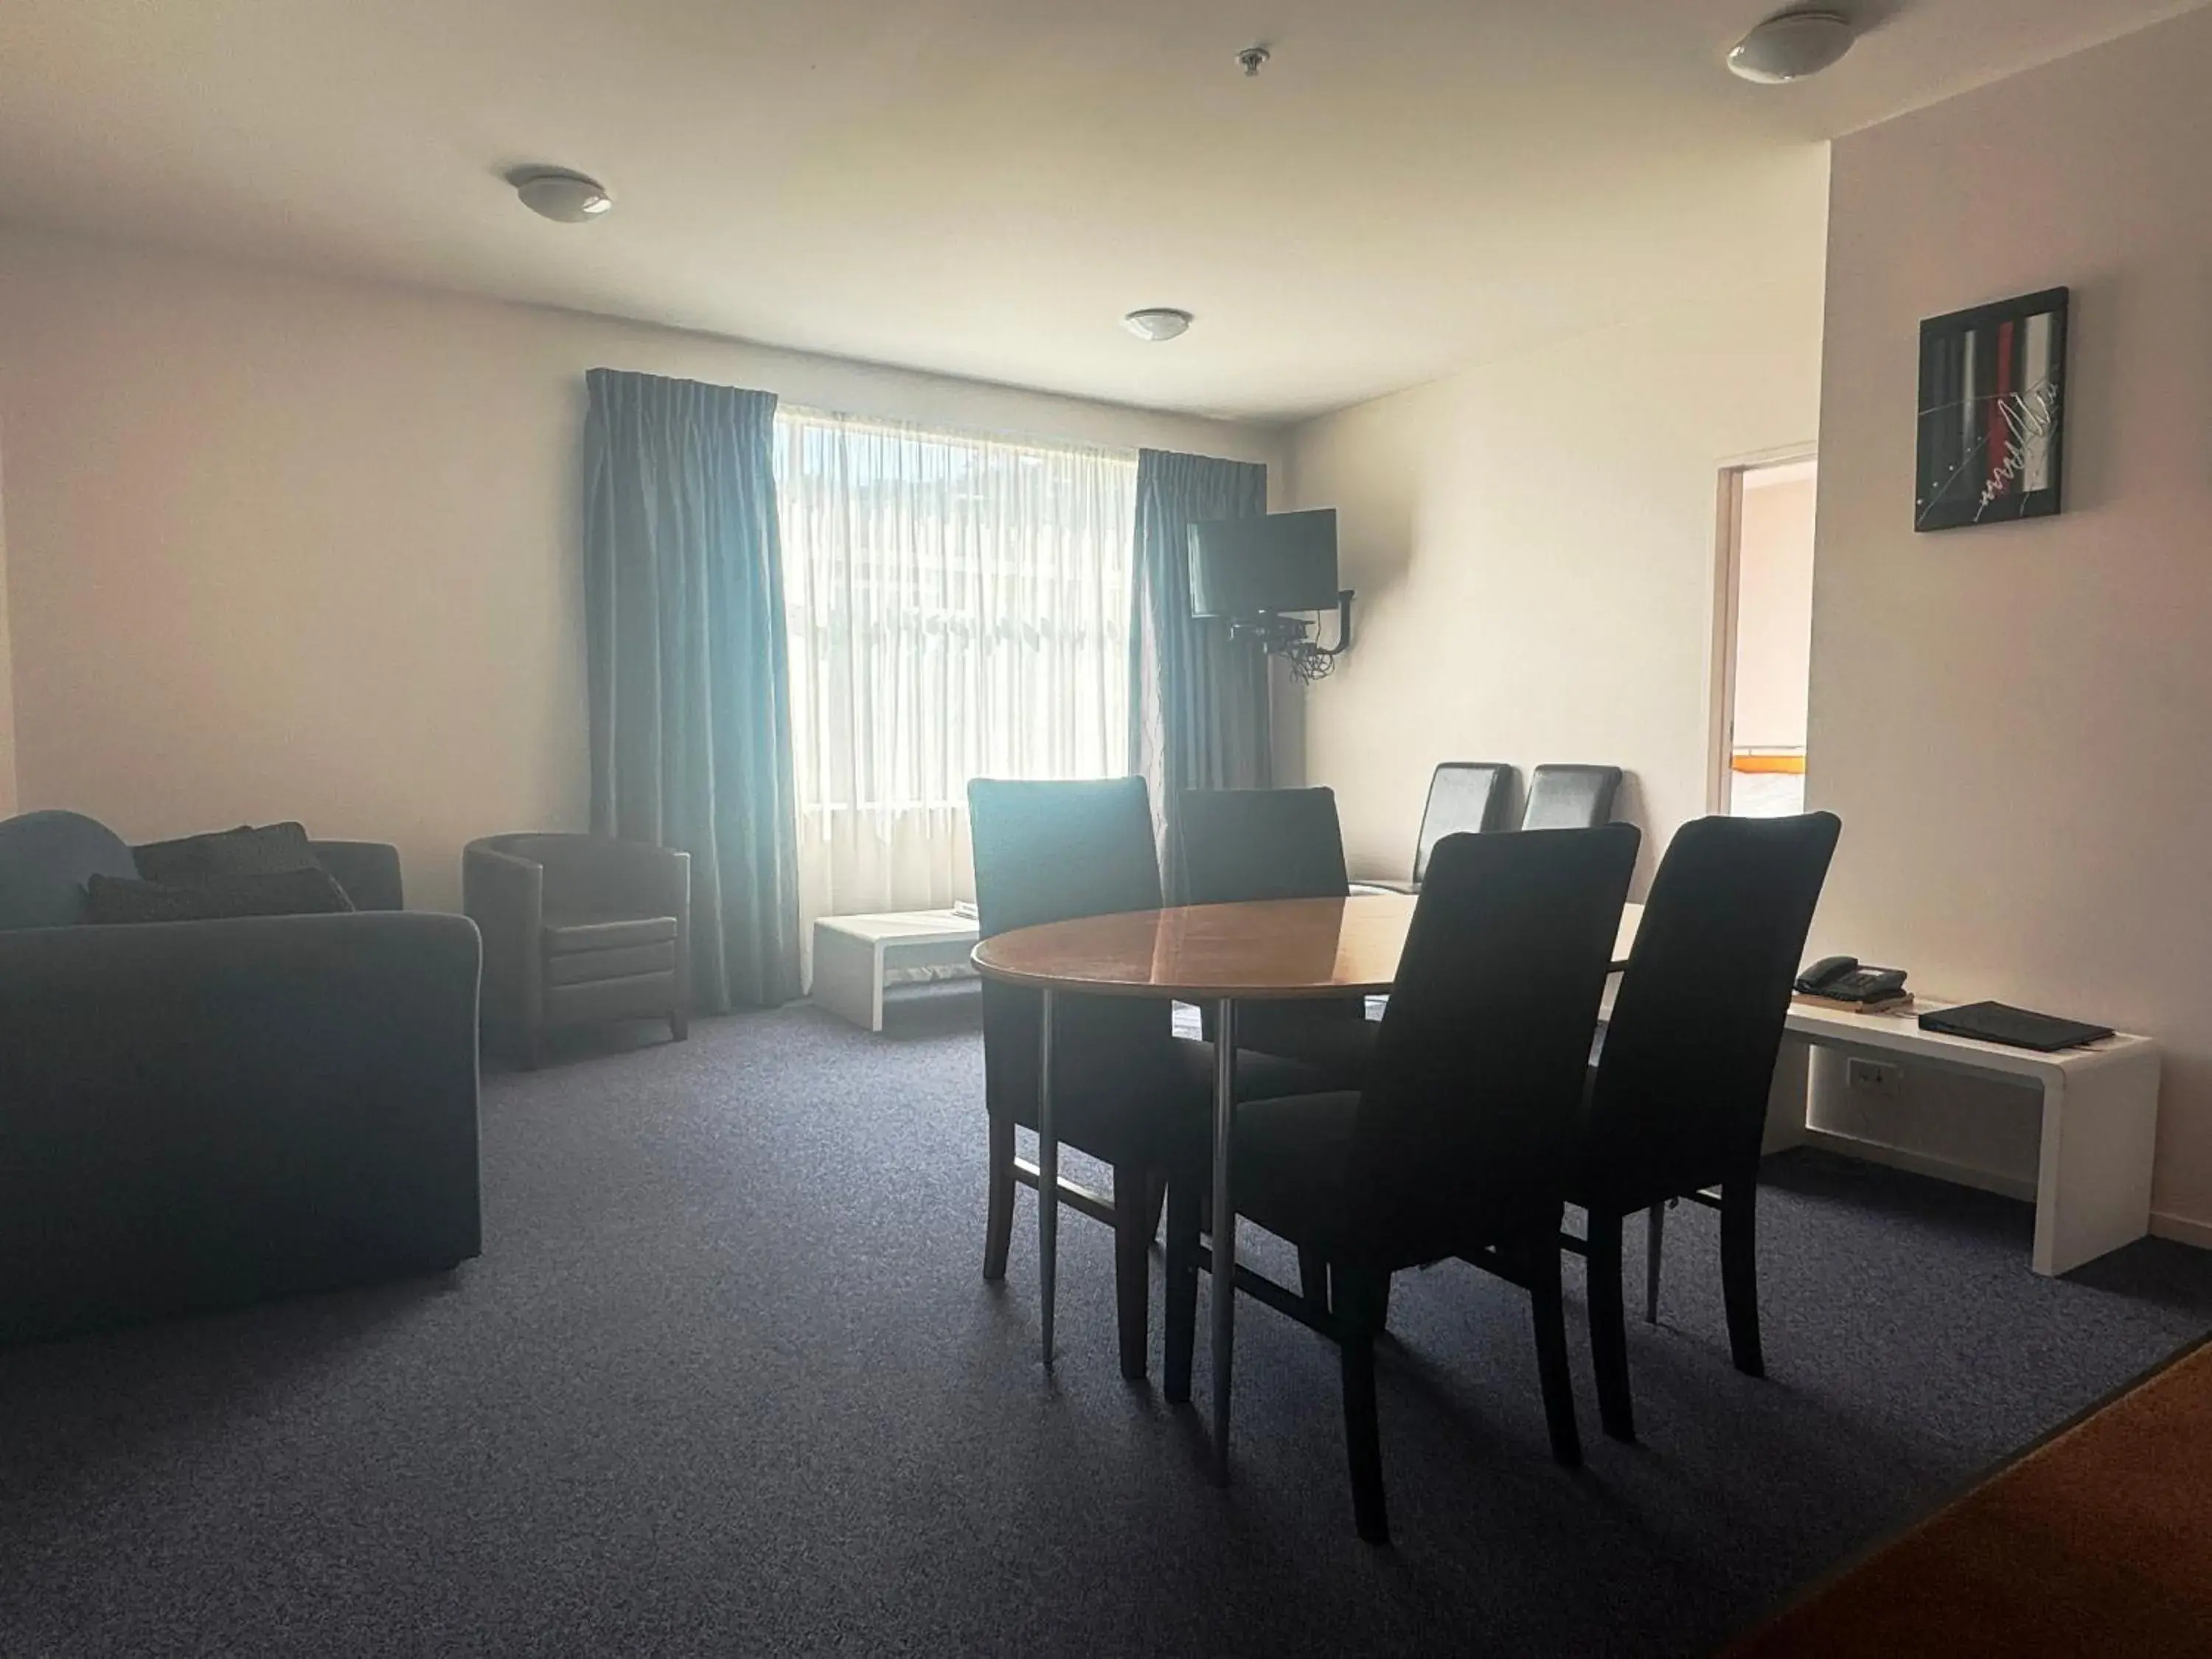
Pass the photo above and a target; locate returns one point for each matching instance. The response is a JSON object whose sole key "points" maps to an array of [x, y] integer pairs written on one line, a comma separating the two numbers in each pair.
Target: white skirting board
{"points": [[1940, 1169], [2181, 1229]]}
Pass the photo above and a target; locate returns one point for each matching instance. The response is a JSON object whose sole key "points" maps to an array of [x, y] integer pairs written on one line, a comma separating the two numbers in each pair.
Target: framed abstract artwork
{"points": [[1992, 413]]}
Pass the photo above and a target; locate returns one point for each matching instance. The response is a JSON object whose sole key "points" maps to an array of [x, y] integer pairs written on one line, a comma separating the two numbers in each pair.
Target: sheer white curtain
{"points": [[959, 607]]}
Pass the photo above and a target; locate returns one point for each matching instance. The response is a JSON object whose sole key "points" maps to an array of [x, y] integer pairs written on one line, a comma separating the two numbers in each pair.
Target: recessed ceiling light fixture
{"points": [[1157, 323], [1792, 45], [557, 193]]}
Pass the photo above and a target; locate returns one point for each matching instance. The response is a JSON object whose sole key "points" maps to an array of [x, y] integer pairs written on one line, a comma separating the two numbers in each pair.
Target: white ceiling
{"points": [[982, 187]]}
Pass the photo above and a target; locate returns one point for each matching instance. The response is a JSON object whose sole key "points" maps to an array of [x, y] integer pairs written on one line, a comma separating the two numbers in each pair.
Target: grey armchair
{"points": [[196, 1115], [578, 929]]}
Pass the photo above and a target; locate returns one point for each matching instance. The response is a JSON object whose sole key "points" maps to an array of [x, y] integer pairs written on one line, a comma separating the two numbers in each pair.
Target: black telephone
{"points": [[1842, 979]]}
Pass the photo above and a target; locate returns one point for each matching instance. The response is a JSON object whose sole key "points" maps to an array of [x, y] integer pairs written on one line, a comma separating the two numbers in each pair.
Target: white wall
{"points": [[287, 547], [2014, 722], [1534, 546]]}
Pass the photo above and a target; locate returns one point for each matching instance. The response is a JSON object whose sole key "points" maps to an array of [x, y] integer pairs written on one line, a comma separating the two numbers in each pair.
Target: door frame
{"points": [[1728, 569]]}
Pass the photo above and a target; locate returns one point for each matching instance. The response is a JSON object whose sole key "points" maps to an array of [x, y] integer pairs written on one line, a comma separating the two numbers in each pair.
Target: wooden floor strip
{"points": [[2097, 1541]]}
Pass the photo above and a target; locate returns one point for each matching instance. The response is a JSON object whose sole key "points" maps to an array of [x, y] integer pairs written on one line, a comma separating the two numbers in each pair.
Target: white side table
{"points": [[854, 955], [2099, 1111]]}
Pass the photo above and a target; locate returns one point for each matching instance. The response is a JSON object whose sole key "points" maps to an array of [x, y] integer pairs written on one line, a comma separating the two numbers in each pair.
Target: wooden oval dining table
{"points": [[1217, 955]]}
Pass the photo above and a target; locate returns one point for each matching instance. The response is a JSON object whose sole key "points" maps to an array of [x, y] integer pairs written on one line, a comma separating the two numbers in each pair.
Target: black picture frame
{"points": [[1992, 413]]}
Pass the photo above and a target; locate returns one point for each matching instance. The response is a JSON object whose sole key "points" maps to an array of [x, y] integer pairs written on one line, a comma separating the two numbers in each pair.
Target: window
{"points": [[957, 606]]}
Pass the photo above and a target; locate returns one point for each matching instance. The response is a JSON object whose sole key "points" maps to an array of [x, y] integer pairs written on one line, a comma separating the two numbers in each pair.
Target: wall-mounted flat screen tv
{"points": [[1279, 562]]}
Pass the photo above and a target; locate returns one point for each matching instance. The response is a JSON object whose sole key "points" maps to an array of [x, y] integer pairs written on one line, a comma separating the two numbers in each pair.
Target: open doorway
{"points": [[1764, 641]]}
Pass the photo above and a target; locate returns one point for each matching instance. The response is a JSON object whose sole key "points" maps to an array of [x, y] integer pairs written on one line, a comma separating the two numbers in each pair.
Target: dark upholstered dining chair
{"points": [[1462, 1140], [577, 930], [1571, 797], [1465, 797], [1048, 852], [1243, 845], [1678, 1106]]}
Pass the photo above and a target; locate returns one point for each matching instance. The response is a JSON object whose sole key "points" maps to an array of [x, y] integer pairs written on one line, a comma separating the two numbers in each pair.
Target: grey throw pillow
{"points": [[217, 898], [274, 849]]}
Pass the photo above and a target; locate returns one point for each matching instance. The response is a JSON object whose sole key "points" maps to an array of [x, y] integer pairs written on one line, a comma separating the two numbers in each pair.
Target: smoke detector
{"points": [[1792, 45]]}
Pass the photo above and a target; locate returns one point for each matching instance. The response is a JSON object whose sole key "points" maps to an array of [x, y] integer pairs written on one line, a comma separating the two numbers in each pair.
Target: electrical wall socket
{"points": [[1874, 1077]]}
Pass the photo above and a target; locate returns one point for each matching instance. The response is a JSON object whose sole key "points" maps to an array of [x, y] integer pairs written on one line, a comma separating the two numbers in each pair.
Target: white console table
{"points": [[2099, 1117], [853, 956]]}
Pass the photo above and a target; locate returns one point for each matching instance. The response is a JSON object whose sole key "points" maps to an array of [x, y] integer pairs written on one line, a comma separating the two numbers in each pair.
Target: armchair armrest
{"points": [[505, 895], [197, 1114], [368, 869]]}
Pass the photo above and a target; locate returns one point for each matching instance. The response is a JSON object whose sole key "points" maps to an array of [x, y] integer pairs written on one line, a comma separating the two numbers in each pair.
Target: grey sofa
{"points": [[196, 1115]]}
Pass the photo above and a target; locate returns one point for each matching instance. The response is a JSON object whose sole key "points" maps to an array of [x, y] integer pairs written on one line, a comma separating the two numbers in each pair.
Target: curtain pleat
{"points": [[1199, 716], [690, 715]]}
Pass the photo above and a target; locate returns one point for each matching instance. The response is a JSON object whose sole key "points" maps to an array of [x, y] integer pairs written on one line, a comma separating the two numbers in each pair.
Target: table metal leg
{"points": [[1048, 1178], [1225, 1226]]}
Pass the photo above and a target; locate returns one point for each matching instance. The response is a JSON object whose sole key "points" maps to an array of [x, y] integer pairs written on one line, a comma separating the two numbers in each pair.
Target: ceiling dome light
{"points": [[1791, 46], [556, 193], [1157, 323]]}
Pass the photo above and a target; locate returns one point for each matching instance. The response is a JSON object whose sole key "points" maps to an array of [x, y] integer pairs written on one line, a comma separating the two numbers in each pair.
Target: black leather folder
{"points": [[2016, 1028]]}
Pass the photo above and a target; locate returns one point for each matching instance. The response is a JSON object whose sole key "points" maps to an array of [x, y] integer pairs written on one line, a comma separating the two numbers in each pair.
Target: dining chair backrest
{"points": [[1680, 1099], [1243, 845], [1571, 797], [1240, 846], [1472, 1103], [1464, 796], [1047, 852]]}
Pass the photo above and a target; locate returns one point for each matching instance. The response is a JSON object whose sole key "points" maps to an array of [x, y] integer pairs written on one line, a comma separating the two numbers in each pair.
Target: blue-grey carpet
{"points": [[727, 1380]]}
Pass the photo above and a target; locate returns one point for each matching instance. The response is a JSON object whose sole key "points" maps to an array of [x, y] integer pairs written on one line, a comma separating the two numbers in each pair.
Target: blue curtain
{"points": [[690, 710], [1198, 704]]}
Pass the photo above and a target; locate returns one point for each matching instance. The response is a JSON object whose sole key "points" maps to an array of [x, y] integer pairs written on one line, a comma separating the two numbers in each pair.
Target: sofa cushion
{"points": [[273, 849], [217, 898], [565, 933], [46, 858]]}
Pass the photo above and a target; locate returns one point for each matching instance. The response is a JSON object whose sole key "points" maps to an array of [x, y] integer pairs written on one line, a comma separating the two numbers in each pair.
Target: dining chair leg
{"points": [[1549, 1304], [1654, 1239], [1156, 1198], [1358, 1294], [999, 1216], [1184, 1201], [1740, 1273], [1313, 1278], [1133, 1267], [1609, 1326]]}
